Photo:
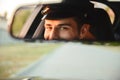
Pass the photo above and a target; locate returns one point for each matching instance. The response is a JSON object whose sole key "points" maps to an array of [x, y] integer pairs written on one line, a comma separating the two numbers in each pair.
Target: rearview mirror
{"points": [[28, 23]]}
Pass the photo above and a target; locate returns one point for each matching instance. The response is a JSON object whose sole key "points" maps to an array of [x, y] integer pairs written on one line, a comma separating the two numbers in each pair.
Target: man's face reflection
{"points": [[61, 29]]}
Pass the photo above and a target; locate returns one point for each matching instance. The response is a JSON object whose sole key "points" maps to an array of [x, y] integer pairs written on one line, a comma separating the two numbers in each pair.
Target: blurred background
{"points": [[17, 54]]}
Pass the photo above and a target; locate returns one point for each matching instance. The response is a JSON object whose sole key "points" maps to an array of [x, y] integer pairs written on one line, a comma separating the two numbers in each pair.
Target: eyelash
{"points": [[64, 28], [48, 28], [60, 28]]}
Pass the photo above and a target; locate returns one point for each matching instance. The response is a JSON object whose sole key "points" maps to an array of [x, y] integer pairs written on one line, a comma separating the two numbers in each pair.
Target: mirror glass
{"points": [[27, 26], [21, 15]]}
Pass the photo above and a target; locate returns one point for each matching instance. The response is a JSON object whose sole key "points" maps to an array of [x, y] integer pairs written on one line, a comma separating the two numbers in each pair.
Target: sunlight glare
{"points": [[8, 6]]}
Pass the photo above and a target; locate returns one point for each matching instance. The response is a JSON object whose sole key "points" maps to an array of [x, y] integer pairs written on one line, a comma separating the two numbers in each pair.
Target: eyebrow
{"points": [[47, 25], [65, 24], [62, 24]]}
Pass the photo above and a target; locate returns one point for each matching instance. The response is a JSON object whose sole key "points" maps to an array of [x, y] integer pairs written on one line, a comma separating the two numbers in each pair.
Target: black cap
{"points": [[76, 2], [68, 8]]}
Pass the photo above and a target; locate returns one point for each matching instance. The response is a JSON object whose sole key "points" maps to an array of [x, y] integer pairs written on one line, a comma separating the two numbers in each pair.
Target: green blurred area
{"points": [[14, 57], [20, 19]]}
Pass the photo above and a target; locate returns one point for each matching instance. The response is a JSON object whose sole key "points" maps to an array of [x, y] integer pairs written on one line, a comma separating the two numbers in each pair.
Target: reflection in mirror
{"points": [[20, 17], [96, 24]]}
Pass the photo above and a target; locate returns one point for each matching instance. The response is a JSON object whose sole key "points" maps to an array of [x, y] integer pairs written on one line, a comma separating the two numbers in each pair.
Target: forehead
{"points": [[64, 20]]}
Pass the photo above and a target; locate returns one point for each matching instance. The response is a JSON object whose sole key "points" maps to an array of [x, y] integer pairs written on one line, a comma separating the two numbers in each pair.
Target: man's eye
{"points": [[64, 28], [48, 28]]}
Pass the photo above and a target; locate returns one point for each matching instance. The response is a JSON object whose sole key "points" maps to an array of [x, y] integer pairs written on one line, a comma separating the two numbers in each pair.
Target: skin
{"points": [[85, 33], [62, 29]]}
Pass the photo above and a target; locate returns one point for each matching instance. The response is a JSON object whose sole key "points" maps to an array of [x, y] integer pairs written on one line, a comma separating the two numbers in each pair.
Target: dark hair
{"points": [[101, 26], [80, 21]]}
